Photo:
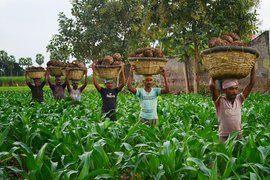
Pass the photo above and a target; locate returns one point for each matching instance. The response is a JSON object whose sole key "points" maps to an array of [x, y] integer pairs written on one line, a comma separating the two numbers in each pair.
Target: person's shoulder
{"points": [[156, 89], [240, 97]]}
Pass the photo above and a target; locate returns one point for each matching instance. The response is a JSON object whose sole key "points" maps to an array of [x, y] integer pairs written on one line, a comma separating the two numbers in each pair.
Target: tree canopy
{"points": [[102, 27]]}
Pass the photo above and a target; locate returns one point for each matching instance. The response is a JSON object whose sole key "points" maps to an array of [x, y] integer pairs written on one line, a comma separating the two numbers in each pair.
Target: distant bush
{"points": [[20, 80], [12, 81]]}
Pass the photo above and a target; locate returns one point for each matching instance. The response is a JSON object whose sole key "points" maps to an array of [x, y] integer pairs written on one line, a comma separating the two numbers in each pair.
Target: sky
{"points": [[28, 25]]}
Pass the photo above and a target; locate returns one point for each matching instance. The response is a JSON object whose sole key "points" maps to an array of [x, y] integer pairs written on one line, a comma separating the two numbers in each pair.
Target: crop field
{"points": [[58, 140]]}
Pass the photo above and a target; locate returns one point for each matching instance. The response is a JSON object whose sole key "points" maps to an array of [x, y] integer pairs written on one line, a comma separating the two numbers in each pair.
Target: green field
{"points": [[11, 81], [89, 87], [57, 140]]}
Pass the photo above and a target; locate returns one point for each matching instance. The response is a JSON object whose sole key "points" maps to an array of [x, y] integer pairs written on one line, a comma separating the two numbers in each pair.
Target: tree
{"points": [[22, 62], [28, 61], [39, 59], [11, 64], [99, 28], [59, 48], [3, 61], [185, 32]]}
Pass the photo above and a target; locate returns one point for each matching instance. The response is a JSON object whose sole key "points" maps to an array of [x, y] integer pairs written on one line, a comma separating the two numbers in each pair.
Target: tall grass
{"points": [[58, 140], [20, 80]]}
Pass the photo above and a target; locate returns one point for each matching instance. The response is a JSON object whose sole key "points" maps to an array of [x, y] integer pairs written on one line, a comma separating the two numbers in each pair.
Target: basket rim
{"points": [[80, 69], [108, 66], [35, 70], [147, 58], [55, 67], [229, 49]]}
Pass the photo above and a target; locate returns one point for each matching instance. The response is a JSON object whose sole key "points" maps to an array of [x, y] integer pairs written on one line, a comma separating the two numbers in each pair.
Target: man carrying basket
{"points": [[148, 96], [109, 93], [73, 89], [58, 89], [36, 88], [228, 107]]}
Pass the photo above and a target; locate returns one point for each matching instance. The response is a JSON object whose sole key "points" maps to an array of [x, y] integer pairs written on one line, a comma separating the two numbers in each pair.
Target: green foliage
{"points": [[99, 28], [12, 81], [58, 140], [39, 59]]}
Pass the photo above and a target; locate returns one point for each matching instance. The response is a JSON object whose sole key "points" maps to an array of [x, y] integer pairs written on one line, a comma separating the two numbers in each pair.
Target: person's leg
{"points": [[149, 122], [222, 139]]}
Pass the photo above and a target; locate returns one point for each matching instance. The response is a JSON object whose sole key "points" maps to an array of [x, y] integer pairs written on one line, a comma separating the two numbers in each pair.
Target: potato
{"points": [[139, 51], [212, 42], [140, 55], [157, 52], [117, 57], [148, 53], [132, 55], [117, 62], [107, 60], [227, 38], [234, 36]]}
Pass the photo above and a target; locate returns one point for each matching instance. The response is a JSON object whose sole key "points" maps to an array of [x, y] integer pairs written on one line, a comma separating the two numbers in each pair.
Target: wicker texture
{"points": [[76, 74], [229, 61], [35, 74], [147, 65], [55, 71], [108, 72]]}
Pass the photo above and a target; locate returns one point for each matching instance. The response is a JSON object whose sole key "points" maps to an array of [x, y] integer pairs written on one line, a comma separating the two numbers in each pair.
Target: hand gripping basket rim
{"points": [[108, 71], [229, 61], [147, 65]]}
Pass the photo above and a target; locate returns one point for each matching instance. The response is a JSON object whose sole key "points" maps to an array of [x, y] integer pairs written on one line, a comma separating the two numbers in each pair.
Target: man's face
{"points": [[57, 81], [231, 92], [148, 82], [109, 85], [75, 85], [37, 82]]}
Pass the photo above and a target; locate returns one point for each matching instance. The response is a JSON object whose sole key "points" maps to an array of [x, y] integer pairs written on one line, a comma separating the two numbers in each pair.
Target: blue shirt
{"points": [[148, 102]]}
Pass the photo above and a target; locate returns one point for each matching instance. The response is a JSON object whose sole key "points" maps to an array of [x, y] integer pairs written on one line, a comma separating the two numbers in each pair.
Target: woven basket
{"points": [[147, 65], [229, 61], [108, 72], [76, 74], [55, 71], [35, 74]]}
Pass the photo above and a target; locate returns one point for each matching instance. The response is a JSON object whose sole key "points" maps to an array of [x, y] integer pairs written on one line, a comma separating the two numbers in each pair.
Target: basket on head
{"points": [[229, 61], [147, 65], [76, 74], [55, 71], [108, 72], [35, 74]]}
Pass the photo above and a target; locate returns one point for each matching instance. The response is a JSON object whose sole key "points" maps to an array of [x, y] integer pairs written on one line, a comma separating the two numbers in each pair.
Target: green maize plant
{"points": [[61, 140]]}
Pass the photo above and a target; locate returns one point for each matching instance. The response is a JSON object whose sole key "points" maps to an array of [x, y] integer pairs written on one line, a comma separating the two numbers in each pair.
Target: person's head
{"points": [[108, 83], [75, 84], [57, 80], [230, 88], [37, 82], [148, 81]]}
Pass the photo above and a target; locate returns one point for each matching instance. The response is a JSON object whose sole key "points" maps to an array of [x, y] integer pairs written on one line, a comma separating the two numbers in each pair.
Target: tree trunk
{"points": [[186, 75], [196, 67]]}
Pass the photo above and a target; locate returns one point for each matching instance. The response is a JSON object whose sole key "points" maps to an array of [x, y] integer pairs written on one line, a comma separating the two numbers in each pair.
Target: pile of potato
{"points": [[147, 52], [76, 64], [36, 69], [115, 59], [54, 63], [228, 39]]}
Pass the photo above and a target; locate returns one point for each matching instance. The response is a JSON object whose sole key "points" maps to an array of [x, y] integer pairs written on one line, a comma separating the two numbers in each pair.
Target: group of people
{"points": [[228, 106], [58, 88]]}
